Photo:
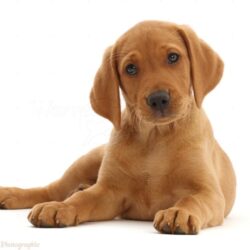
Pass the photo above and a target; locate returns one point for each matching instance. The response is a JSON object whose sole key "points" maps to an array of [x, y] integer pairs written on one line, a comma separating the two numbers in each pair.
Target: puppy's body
{"points": [[168, 166], [162, 161]]}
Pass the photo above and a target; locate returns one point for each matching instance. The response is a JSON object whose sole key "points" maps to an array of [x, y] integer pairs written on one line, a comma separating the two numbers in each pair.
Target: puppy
{"points": [[162, 162]]}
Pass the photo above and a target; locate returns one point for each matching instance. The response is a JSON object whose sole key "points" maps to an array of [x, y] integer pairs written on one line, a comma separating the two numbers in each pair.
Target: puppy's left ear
{"points": [[206, 65], [104, 96]]}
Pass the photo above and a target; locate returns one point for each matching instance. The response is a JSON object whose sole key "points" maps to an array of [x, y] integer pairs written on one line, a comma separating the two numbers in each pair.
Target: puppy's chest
{"points": [[149, 181]]}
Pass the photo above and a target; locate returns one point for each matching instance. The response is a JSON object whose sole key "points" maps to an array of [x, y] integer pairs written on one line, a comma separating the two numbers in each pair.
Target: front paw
{"points": [[53, 214], [9, 198], [176, 221]]}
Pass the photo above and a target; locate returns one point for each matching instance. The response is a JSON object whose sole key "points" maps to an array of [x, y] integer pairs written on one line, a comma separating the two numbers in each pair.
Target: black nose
{"points": [[158, 100]]}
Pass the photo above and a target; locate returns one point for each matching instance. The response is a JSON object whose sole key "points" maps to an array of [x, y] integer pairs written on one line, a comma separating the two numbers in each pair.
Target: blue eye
{"points": [[131, 69], [173, 58]]}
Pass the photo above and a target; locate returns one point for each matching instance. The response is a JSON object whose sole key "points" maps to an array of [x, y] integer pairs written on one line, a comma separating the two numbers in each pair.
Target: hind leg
{"points": [[81, 174]]}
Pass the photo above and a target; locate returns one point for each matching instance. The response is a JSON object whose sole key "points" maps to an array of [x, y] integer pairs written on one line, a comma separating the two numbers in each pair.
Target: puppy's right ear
{"points": [[104, 96]]}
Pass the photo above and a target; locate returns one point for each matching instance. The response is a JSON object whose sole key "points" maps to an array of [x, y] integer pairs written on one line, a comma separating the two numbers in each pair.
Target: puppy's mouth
{"points": [[160, 114], [158, 117], [158, 108], [174, 112], [163, 118]]}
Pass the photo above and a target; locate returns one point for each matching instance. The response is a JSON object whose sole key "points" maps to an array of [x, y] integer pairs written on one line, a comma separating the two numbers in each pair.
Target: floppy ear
{"points": [[104, 96], [206, 65]]}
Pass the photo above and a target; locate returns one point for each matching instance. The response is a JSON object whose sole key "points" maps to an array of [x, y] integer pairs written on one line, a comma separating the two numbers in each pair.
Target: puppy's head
{"points": [[160, 67]]}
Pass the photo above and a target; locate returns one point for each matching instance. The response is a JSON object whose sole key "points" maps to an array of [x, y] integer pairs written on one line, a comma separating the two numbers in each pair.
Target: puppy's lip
{"points": [[160, 114], [162, 118]]}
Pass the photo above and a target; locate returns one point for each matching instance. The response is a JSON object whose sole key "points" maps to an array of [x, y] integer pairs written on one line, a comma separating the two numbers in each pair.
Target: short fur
{"points": [[168, 169]]}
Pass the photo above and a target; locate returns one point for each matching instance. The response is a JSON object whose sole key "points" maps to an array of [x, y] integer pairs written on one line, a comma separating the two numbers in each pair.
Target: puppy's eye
{"points": [[173, 58], [131, 69]]}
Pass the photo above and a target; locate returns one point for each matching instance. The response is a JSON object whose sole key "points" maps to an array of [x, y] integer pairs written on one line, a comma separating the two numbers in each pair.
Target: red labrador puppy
{"points": [[162, 162]]}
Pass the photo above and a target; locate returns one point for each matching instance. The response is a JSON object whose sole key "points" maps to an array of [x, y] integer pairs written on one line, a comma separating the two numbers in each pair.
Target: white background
{"points": [[49, 53]]}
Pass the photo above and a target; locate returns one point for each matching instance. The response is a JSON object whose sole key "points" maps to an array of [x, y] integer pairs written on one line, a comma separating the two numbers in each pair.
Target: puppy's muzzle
{"points": [[159, 101]]}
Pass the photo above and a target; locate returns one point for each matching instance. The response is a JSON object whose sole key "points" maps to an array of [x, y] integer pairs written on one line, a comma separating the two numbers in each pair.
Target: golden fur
{"points": [[167, 168]]}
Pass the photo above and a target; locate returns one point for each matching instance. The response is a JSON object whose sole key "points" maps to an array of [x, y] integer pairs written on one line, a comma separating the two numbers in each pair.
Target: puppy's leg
{"points": [[96, 203], [82, 172], [192, 213]]}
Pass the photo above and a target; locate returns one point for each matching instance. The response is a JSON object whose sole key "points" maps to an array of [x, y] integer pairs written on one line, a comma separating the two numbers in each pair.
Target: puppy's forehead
{"points": [[150, 34]]}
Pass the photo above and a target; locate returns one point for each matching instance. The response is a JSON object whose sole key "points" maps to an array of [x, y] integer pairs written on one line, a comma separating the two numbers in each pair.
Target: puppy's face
{"points": [[154, 72], [157, 65]]}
